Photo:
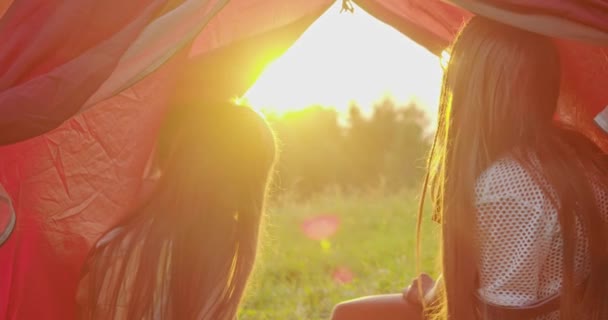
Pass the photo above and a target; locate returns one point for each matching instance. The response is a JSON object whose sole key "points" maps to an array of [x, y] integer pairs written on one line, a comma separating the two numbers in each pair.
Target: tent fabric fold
{"points": [[432, 24], [82, 53], [158, 42], [591, 13], [50, 66], [84, 85], [561, 19]]}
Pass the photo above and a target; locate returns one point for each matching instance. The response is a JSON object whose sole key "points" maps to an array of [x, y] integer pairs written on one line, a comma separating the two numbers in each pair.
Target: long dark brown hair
{"points": [[499, 96], [188, 252]]}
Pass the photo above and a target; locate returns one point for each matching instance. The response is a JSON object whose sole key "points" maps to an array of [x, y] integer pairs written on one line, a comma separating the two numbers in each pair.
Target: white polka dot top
{"points": [[520, 240]]}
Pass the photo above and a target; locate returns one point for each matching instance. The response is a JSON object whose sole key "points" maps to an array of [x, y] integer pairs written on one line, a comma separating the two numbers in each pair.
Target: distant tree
{"points": [[317, 152], [390, 145], [311, 143], [404, 164]]}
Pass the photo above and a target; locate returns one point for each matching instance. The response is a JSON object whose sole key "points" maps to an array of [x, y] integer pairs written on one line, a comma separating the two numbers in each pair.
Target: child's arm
{"points": [[404, 306], [385, 307]]}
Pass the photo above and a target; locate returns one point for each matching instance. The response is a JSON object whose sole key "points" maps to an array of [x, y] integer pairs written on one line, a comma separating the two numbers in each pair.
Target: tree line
{"points": [[317, 151]]}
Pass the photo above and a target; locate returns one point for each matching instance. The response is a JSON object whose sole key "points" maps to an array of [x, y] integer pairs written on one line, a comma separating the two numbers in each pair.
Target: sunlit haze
{"points": [[346, 57]]}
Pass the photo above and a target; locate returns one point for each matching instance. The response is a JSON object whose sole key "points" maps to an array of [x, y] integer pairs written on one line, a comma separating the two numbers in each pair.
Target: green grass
{"points": [[376, 240]]}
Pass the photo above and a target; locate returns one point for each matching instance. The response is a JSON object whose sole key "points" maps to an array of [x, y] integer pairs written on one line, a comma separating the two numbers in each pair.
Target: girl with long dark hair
{"points": [[522, 199], [188, 251]]}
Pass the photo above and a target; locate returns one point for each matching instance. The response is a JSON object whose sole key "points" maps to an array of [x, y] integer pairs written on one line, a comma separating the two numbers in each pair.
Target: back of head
{"points": [[188, 252], [499, 97], [501, 86]]}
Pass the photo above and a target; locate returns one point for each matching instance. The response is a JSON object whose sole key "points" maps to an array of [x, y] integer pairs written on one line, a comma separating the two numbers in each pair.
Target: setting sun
{"points": [[346, 57]]}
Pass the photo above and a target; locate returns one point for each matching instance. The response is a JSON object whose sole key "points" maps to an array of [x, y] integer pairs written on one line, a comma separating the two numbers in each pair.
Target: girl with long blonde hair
{"points": [[522, 199], [188, 250]]}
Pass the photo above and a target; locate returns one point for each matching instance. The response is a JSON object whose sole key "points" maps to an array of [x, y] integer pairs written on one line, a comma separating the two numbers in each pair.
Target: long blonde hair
{"points": [[189, 251], [499, 95]]}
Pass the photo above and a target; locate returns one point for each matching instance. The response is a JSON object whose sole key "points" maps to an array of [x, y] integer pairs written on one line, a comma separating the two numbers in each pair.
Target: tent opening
{"points": [[352, 103], [345, 59]]}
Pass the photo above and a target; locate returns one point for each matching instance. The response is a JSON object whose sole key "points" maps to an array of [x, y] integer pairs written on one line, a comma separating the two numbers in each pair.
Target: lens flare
{"points": [[320, 227], [343, 275]]}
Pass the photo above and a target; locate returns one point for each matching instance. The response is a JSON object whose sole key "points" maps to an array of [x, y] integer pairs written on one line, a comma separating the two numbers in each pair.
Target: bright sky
{"points": [[344, 57]]}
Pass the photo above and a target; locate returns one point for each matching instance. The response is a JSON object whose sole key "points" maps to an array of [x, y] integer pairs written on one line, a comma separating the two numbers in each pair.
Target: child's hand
{"points": [[412, 295]]}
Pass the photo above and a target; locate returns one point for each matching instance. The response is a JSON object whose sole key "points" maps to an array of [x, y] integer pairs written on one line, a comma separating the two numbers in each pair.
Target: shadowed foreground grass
{"points": [[376, 241]]}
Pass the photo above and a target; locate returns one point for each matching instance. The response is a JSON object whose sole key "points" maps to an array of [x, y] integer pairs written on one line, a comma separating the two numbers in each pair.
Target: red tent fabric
{"points": [[55, 45], [84, 85]]}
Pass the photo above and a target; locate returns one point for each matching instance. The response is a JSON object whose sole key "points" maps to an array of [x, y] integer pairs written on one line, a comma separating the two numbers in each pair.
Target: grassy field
{"points": [[375, 241]]}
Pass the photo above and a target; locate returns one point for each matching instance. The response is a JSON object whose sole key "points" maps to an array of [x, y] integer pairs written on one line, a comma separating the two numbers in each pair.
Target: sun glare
{"points": [[346, 57]]}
